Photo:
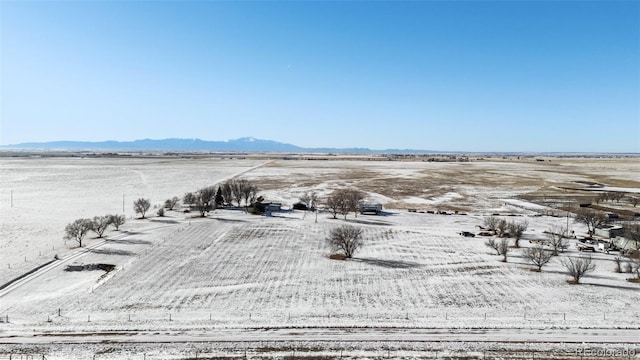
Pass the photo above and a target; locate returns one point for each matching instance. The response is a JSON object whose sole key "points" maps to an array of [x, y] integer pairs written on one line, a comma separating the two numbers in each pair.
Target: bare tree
{"points": [[491, 222], [591, 218], [334, 203], [249, 191], [204, 200], [618, 261], [314, 200], [189, 199], [353, 198], [557, 239], [310, 199], [492, 243], [516, 230], [141, 206], [171, 203], [77, 230], [305, 199], [538, 256], [160, 212], [501, 247], [501, 228], [237, 189], [617, 196], [344, 205], [227, 192], [578, 267], [99, 224], [347, 239], [117, 220], [634, 201]]}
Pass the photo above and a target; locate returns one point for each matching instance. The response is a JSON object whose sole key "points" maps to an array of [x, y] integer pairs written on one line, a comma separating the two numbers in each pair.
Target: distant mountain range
{"points": [[245, 144]]}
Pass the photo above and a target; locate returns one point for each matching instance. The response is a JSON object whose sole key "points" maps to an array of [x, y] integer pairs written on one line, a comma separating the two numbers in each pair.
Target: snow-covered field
{"points": [[267, 283]]}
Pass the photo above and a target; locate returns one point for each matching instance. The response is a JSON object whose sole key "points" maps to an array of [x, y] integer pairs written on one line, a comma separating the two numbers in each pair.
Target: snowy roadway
{"points": [[360, 335]]}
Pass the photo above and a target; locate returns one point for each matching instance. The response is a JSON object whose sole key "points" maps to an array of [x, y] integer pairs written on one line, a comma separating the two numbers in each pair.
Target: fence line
{"points": [[446, 319], [295, 352]]}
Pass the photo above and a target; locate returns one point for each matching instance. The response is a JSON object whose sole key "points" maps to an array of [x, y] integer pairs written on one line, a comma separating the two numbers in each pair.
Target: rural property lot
{"points": [[234, 281]]}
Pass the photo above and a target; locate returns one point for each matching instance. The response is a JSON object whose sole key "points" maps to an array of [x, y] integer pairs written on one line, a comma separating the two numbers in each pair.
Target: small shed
{"points": [[609, 231], [370, 208]]}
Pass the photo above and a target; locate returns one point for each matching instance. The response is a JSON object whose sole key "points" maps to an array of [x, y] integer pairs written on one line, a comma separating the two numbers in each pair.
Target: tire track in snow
{"points": [[75, 255]]}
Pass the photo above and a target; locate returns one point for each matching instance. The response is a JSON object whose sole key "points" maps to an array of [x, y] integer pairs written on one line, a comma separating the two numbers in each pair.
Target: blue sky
{"points": [[468, 76]]}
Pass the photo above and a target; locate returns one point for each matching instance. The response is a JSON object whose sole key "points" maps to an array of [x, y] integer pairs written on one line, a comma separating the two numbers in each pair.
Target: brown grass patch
{"points": [[338, 257], [634, 280]]}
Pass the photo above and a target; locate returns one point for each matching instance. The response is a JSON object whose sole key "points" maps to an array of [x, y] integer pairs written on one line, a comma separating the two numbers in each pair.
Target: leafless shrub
{"points": [[578, 267], [538, 256], [346, 238], [160, 212]]}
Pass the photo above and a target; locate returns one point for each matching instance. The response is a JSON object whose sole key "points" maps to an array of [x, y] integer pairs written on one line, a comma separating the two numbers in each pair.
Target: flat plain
{"points": [[238, 281]]}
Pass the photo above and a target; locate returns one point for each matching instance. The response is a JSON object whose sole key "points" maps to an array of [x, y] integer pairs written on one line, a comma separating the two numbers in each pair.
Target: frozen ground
{"points": [[266, 282]]}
